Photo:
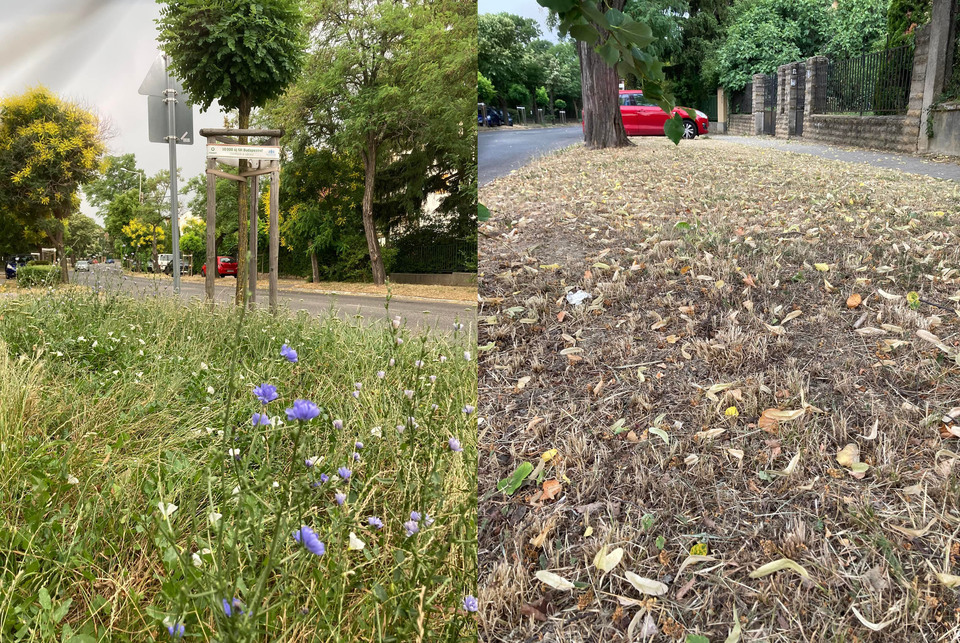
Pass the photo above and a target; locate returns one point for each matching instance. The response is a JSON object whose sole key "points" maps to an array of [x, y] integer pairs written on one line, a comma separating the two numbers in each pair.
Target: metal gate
{"points": [[770, 104], [801, 97]]}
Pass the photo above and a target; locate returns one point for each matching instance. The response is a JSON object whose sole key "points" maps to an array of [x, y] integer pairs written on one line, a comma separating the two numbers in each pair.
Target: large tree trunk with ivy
{"points": [[602, 124], [243, 210], [373, 244]]}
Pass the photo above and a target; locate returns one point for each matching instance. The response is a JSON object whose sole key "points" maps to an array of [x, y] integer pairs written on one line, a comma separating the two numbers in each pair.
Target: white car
{"points": [[82, 266]]}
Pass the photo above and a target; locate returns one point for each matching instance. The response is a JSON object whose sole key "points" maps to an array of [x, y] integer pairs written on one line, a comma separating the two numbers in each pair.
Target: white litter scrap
{"points": [[577, 298]]}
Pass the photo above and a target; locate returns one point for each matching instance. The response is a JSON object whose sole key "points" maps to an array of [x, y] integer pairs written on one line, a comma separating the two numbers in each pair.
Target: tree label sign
{"points": [[266, 152]]}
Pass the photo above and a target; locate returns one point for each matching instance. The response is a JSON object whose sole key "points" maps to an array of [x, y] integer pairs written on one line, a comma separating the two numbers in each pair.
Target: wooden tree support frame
{"points": [[227, 136]]}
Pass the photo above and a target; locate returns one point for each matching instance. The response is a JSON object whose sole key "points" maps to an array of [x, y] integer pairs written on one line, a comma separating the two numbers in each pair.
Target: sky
{"points": [[522, 8], [96, 53]]}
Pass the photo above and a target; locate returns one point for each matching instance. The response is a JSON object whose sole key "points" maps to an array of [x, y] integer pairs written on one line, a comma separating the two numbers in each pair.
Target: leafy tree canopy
{"points": [[764, 34], [857, 27], [236, 52]]}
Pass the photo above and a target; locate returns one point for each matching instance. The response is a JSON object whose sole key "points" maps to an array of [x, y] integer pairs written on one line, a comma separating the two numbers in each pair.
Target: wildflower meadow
{"points": [[175, 472]]}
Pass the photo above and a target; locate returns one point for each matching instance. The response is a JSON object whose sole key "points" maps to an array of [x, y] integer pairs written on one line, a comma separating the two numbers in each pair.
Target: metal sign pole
{"points": [[171, 101]]}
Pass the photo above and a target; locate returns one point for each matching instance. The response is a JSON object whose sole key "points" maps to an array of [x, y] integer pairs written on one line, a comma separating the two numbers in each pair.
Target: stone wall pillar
{"points": [[721, 111], [815, 99], [759, 87], [937, 61], [788, 78]]}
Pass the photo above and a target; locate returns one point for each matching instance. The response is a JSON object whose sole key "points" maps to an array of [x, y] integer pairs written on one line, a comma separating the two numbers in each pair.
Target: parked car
{"points": [[13, 263], [225, 266], [82, 266], [110, 261], [494, 117], [645, 118]]}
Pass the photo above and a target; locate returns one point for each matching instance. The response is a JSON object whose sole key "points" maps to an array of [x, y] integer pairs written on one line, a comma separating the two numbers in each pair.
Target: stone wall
{"points": [[446, 279], [946, 130], [900, 133], [889, 133], [740, 124]]}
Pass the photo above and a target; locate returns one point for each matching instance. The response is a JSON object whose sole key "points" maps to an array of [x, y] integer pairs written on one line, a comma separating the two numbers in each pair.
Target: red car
{"points": [[644, 118], [225, 266]]}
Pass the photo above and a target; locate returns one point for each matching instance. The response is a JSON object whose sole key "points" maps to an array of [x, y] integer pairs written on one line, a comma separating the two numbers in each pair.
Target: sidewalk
{"points": [[945, 169]]}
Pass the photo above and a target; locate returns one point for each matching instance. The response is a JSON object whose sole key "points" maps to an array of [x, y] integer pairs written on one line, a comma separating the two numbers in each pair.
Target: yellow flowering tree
{"points": [[48, 148]]}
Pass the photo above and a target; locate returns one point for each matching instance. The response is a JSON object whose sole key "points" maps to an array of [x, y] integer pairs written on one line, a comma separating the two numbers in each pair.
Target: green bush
{"points": [[37, 274]]}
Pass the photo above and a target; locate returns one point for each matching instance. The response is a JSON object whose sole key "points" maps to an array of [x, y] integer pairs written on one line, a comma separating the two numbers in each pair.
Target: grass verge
{"points": [[715, 404], [141, 489]]}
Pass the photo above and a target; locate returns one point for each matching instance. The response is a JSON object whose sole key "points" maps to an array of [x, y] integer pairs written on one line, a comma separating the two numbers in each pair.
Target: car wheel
{"points": [[689, 129]]}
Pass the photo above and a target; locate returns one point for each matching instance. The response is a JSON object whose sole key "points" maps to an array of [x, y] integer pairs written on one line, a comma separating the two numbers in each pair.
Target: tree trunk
{"points": [[602, 126], [244, 213], [504, 112], [56, 236], [552, 101], [373, 245], [536, 112], [316, 268], [153, 256]]}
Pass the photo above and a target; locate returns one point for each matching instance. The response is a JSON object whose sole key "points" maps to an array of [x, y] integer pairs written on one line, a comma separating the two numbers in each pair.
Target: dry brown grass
{"points": [[754, 224]]}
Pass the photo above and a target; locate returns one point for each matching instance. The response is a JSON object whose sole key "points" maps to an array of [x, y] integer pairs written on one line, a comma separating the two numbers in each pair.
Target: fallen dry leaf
{"points": [[551, 488], [646, 585], [778, 565], [555, 581], [854, 301]]}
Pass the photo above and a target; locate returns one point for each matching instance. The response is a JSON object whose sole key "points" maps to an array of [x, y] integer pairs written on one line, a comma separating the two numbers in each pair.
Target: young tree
{"points": [[48, 149], [385, 78], [241, 53]]}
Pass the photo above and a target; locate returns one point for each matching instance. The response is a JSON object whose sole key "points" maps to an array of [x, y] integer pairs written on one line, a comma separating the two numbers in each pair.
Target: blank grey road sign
{"points": [[157, 120], [156, 81]]}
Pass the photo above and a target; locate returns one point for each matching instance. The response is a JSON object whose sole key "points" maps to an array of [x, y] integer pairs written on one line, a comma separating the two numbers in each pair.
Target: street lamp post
{"points": [[140, 186]]}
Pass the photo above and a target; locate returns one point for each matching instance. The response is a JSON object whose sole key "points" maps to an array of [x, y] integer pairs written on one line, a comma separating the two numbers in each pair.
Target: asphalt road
{"points": [[417, 313], [503, 149]]}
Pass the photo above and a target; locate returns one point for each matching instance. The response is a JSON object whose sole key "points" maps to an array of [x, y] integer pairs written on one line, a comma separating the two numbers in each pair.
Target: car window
{"points": [[626, 100]]}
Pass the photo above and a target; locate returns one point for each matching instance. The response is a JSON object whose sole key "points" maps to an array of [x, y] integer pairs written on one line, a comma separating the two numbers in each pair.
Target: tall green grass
{"points": [[110, 406]]}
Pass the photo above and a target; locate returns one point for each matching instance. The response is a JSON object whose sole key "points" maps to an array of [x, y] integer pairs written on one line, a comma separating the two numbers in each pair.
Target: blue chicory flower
{"points": [[408, 393], [415, 516], [324, 477], [309, 539], [357, 385], [381, 374], [470, 603], [356, 395], [266, 393], [373, 521], [340, 498], [260, 419], [455, 445], [288, 353], [468, 409], [358, 445], [310, 462], [176, 630], [338, 424], [228, 609], [344, 473], [411, 527], [304, 410], [427, 520], [418, 363], [356, 456]]}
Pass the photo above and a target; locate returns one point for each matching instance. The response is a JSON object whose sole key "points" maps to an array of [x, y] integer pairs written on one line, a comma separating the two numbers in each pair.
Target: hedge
{"points": [[34, 275]]}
